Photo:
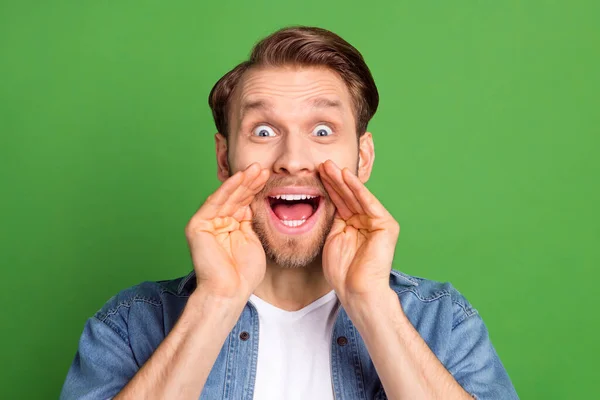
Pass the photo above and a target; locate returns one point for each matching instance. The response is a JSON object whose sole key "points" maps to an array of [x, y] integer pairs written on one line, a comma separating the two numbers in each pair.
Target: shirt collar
{"points": [[188, 282]]}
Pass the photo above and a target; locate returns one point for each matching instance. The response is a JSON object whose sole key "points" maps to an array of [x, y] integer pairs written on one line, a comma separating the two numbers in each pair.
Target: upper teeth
{"points": [[293, 196]]}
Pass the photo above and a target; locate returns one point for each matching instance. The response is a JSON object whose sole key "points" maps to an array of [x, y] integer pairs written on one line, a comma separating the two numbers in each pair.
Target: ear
{"points": [[222, 161], [366, 156]]}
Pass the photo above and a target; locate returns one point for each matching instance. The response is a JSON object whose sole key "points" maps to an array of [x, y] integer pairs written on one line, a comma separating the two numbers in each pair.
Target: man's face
{"points": [[290, 120]]}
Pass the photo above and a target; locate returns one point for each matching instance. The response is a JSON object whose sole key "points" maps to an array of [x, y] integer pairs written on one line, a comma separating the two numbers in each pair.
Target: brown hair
{"points": [[303, 46]]}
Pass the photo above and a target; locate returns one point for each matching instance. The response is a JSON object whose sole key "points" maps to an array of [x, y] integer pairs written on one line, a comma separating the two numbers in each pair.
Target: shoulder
{"points": [[455, 333], [428, 292], [115, 312]]}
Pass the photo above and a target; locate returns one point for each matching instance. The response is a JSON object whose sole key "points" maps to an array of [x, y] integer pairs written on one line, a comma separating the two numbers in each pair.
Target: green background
{"points": [[486, 142]]}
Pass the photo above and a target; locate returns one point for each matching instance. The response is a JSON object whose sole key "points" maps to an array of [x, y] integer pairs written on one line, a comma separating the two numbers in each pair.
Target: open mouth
{"points": [[294, 210]]}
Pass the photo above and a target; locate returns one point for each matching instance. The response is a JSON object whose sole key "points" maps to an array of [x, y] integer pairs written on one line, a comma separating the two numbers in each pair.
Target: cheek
{"points": [[342, 155], [246, 155]]}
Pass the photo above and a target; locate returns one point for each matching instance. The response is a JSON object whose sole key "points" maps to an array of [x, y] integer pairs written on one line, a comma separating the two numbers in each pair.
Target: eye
{"points": [[322, 130], [263, 131]]}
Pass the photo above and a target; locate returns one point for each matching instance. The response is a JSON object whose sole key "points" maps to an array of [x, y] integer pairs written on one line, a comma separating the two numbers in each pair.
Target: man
{"points": [[293, 295]]}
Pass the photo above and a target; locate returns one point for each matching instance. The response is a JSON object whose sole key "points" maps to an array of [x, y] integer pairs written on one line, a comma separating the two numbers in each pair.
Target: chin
{"points": [[292, 227]]}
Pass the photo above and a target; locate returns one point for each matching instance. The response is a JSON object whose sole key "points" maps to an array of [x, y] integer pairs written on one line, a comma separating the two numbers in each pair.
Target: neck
{"points": [[293, 288]]}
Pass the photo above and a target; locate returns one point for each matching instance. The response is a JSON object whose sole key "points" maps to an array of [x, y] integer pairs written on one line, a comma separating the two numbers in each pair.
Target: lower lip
{"points": [[298, 230]]}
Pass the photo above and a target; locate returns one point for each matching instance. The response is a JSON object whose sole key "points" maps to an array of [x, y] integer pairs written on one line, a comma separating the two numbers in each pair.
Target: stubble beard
{"points": [[288, 251]]}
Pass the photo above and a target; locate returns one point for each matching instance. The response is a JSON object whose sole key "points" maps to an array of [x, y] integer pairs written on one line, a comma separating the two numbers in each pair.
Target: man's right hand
{"points": [[228, 257]]}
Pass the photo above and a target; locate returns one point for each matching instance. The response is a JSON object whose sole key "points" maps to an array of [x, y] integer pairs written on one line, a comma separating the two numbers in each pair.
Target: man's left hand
{"points": [[358, 253]]}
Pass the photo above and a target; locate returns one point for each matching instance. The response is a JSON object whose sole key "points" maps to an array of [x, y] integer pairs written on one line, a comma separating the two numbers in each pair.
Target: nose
{"points": [[294, 157]]}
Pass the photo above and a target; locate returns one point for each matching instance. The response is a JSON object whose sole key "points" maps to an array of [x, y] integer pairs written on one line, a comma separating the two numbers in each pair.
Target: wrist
{"points": [[223, 310], [368, 308], [367, 299]]}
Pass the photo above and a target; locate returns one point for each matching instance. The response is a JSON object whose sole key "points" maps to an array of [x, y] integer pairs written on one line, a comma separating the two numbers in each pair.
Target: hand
{"points": [[359, 250], [228, 257]]}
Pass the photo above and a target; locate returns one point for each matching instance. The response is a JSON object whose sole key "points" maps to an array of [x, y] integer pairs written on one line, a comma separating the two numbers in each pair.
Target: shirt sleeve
{"points": [[475, 364], [103, 365]]}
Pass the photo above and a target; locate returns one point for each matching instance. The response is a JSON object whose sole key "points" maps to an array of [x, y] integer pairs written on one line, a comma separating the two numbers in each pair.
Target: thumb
{"points": [[243, 214], [339, 224]]}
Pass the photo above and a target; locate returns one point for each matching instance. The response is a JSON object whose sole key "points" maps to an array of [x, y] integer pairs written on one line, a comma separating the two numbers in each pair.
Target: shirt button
{"points": [[244, 335], [342, 340]]}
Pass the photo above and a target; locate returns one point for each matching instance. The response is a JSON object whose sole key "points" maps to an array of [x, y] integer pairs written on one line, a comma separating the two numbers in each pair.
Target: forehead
{"points": [[290, 86]]}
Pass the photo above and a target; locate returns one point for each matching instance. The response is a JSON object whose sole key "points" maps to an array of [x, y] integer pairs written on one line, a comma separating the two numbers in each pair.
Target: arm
{"points": [[180, 365], [105, 364], [408, 369], [229, 262], [357, 260]]}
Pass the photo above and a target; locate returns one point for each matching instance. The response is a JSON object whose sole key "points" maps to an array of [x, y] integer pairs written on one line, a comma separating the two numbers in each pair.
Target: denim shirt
{"points": [[125, 332]]}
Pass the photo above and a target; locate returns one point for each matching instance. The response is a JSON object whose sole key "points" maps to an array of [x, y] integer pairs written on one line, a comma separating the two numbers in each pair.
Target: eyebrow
{"points": [[260, 104]]}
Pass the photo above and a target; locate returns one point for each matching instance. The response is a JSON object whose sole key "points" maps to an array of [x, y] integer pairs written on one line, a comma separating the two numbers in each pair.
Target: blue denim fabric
{"points": [[125, 332]]}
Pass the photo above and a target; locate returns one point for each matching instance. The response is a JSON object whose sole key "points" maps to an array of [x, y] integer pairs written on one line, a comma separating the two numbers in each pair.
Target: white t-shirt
{"points": [[294, 350]]}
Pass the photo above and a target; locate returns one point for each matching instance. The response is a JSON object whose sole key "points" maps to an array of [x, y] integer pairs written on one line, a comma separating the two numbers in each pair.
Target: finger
{"points": [[335, 175], [215, 201], [243, 214], [334, 194], [260, 180], [338, 226], [339, 203], [253, 188], [229, 191], [245, 191], [368, 201], [244, 188], [257, 186]]}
